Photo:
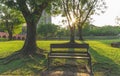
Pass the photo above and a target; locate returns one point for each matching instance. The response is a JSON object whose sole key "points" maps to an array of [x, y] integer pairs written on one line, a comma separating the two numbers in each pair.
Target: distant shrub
{"points": [[3, 39]]}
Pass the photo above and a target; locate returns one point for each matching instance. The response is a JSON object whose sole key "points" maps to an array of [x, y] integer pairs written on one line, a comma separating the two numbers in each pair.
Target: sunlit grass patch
{"points": [[8, 47]]}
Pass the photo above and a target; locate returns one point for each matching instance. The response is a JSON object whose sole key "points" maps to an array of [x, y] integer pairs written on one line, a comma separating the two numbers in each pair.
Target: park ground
{"points": [[105, 59]]}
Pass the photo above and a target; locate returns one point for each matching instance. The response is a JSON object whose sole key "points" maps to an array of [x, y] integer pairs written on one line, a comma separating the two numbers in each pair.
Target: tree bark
{"points": [[72, 35], [30, 45], [80, 33], [31, 19]]}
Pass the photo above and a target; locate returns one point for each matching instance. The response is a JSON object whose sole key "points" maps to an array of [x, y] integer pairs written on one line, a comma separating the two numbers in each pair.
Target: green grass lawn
{"points": [[105, 59]]}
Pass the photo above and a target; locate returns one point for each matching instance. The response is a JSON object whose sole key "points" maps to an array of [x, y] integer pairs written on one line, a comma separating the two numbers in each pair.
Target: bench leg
{"points": [[91, 71], [48, 63]]}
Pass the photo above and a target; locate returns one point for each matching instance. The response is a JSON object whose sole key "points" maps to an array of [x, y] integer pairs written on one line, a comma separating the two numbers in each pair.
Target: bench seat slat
{"points": [[71, 54], [82, 52], [64, 56], [69, 46]]}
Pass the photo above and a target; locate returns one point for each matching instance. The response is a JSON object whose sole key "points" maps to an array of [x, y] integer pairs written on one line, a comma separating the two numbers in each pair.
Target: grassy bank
{"points": [[105, 59]]}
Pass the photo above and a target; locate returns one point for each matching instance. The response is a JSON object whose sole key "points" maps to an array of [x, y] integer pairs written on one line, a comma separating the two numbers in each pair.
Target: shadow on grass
{"points": [[104, 66], [24, 66]]}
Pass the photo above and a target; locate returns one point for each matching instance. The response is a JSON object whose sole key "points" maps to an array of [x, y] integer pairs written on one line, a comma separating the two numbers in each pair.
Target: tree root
{"points": [[19, 55], [10, 58]]}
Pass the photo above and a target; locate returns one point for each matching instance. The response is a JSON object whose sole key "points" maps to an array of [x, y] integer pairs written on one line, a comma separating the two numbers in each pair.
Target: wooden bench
{"points": [[68, 51]]}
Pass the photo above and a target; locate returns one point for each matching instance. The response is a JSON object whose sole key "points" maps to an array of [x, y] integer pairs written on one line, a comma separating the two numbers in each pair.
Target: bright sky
{"points": [[108, 18]]}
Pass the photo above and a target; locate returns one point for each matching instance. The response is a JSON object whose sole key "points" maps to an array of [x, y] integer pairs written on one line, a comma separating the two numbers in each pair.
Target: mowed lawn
{"points": [[105, 59]]}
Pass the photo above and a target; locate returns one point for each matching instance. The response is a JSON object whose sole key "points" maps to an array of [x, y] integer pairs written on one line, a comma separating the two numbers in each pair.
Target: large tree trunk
{"points": [[30, 46], [31, 19], [72, 35], [80, 33]]}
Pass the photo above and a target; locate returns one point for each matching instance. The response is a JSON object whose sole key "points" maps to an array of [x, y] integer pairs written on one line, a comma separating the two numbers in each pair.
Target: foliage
{"points": [[88, 30], [47, 30], [3, 39], [29, 6], [57, 33], [105, 31], [13, 16], [92, 30], [10, 19], [62, 32]]}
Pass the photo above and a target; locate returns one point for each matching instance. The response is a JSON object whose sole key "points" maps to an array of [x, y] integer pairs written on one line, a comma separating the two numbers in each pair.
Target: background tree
{"points": [[106, 31], [78, 12], [32, 11], [86, 29], [47, 30], [61, 33], [10, 19]]}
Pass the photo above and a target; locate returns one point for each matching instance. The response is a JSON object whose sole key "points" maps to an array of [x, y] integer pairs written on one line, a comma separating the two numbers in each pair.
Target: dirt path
{"points": [[66, 70], [63, 73]]}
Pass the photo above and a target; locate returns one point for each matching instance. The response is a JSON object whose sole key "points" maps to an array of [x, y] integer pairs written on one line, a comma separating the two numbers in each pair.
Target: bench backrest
{"points": [[81, 46]]}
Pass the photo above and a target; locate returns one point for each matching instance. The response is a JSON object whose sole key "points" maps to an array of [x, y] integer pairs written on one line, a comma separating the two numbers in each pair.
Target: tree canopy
{"points": [[10, 19]]}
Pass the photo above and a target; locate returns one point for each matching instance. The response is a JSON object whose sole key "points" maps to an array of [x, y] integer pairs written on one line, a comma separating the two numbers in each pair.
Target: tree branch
{"points": [[66, 13], [24, 8], [90, 9], [39, 8], [74, 8]]}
